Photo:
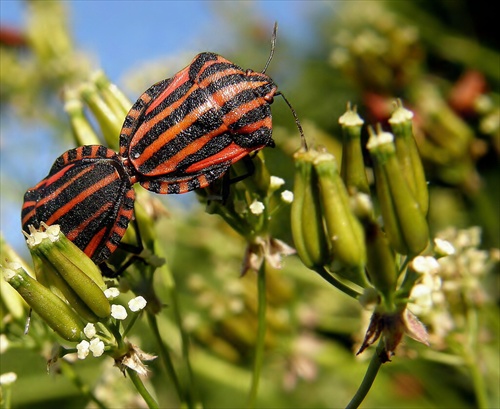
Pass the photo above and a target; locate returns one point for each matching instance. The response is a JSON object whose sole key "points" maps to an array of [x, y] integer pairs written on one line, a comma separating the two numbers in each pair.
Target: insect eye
{"points": [[269, 97]]}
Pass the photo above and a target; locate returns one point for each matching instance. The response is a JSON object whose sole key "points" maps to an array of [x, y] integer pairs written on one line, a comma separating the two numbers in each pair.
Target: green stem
{"points": [[336, 283], [369, 378], [130, 324], [6, 397], [136, 380], [84, 389], [165, 354], [471, 359], [193, 400], [478, 383], [261, 334]]}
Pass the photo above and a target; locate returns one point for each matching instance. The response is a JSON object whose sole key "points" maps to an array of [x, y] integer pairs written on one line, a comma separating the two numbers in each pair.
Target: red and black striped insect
{"points": [[182, 134], [89, 194], [185, 132]]}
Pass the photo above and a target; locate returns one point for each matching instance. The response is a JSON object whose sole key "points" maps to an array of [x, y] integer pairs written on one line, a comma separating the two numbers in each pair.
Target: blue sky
{"points": [[121, 35]]}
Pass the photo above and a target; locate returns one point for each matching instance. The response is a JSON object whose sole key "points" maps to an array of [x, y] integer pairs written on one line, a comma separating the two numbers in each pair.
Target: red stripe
{"points": [[82, 196], [179, 79], [232, 153]]}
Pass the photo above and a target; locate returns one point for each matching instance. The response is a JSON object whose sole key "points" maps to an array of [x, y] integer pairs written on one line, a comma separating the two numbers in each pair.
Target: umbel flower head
{"points": [[69, 295]]}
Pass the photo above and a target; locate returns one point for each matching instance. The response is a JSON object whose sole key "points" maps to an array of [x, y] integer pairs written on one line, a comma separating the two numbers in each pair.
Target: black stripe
{"points": [[72, 155], [102, 151], [193, 184], [172, 119], [224, 82], [206, 123], [192, 102], [259, 137], [198, 63], [217, 67], [86, 150], [211, 148], [255, 115], [239, 99], [140, 106]]}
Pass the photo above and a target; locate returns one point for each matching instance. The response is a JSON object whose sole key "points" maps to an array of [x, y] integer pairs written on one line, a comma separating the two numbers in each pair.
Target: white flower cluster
{"points": [[450, 278], [118, 312]]}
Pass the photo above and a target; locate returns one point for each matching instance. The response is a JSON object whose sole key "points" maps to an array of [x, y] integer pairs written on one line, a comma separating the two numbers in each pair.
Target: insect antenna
{"points": [[297, 122], [273, 46]]}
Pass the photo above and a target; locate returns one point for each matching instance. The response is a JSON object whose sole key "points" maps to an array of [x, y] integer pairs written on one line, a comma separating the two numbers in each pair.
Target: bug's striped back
{"points": [[89, 194], [185, 132]]}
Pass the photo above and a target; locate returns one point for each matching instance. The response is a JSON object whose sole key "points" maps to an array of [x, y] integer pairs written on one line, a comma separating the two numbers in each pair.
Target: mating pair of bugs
{"points": [[182, 134]]}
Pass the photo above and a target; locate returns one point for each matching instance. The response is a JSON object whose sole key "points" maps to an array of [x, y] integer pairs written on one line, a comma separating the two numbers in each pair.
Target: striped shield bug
{"points": [[89, 194], [182, 134], [185, 132]]}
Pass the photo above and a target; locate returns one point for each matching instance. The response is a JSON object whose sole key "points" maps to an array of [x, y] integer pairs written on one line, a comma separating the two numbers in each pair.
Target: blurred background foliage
{"points": [[441, 57]]}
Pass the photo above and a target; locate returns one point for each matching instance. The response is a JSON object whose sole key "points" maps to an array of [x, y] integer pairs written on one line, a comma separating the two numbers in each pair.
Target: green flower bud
{"points": [[344, 231], [113, 96], [54, 311], [353, 168], [404, 221], [60, 263], [381, 264], [107, 119], [50, 278], [409, 156], [82, 129], [10, 301], [306, 216], [450, 134]]}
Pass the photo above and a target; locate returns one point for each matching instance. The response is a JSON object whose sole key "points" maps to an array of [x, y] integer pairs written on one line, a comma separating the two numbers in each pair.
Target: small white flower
{"points": [[351, 117], [7, 378], [257, 207], [276, 182], [118, 312], [83, 349], [52, 231], [382, 138], [287, 196], [111, 293], [400, 115], [444, 247], [96, 347], [425, 264], [421, 296], [137, 303], [89, 330]]}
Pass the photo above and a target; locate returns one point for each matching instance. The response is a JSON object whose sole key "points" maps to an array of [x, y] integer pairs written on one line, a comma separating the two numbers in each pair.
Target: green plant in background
{"points": [[235, 327]]}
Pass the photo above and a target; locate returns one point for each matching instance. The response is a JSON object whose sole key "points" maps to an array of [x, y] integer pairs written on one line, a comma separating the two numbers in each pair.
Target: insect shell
{"points": [[185, 132], [182, 134], [89, 194]]}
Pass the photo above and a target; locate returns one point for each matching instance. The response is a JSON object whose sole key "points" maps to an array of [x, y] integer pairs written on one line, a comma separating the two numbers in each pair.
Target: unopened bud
{"points": [[353, 168], [61, 264], [409, 156], [107, 119], [82, 129], [344, 231], [306, 215], [113, 96], [404, 221], [55, 312], [381, 263]]}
